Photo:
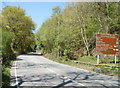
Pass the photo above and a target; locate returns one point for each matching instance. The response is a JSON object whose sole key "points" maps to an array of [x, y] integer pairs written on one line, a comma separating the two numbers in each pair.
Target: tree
{"points": [[15, 21], [7, 52], [79, 23]]}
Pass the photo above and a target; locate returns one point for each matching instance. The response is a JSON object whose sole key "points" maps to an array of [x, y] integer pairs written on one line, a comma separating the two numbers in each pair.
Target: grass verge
{"points": [[6, 74], [90, 59]]}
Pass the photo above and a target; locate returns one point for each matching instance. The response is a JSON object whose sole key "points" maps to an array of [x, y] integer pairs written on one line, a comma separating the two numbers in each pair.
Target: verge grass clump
{"points": [[91, 67]]}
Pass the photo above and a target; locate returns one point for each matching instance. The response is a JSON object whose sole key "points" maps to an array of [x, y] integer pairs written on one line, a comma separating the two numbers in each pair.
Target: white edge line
{"points": [[16, 74]]}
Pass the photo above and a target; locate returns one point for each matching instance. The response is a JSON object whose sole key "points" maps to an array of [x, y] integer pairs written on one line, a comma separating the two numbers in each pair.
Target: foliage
{"points": [[14, 20], [7, 52], [0, 44], [71, 32], [101, 69], [17, 37], [6, 74]]}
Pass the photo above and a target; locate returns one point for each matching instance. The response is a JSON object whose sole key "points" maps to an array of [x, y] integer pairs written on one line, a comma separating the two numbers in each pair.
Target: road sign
{"points": [[107, 44]]}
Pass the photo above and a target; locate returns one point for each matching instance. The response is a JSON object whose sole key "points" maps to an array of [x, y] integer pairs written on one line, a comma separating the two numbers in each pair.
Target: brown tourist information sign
{"points": [[107, 44]]}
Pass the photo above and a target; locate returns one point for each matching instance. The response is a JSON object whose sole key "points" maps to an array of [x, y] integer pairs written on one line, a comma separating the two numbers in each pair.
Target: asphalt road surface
{"points": [[35, 70]]}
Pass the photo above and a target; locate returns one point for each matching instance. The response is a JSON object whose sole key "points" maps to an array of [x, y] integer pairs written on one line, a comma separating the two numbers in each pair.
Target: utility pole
{"points": [[107, 18], [58, 34], [57, 11]]}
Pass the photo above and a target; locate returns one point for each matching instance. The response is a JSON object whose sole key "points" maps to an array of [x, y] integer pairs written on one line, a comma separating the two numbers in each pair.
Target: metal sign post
{"points": [[115, 58], [107, 44], [98, 59]]}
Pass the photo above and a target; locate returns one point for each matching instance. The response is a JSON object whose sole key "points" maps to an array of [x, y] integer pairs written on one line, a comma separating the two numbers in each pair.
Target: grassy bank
{"points": [[89, 59], [6, 74]]}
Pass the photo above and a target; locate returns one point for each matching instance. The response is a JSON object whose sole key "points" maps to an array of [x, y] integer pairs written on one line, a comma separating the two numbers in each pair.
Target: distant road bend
{"points": [[35, 70]]}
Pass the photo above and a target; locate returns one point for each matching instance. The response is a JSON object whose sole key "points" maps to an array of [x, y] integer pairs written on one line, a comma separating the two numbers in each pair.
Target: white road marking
{"points": [[64, 76], [16, 75], [80, 84]]}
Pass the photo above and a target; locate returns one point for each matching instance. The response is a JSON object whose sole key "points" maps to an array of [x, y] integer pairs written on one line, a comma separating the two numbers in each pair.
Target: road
{"points": [[35, 70]]}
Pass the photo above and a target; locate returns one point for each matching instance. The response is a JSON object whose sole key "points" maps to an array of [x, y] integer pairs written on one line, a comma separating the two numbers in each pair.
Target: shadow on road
{"points": [[48, 78], [75, 77], [33, 53], [18, 59], [67, 82]]}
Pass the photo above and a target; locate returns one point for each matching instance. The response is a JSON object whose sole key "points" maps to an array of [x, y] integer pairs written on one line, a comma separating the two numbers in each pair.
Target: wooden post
{"points": [[98, 59]]}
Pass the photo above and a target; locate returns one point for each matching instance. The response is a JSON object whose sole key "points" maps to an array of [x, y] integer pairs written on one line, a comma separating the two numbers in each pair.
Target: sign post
{"points": [[107, 44], [98, 59], [115, 59]]}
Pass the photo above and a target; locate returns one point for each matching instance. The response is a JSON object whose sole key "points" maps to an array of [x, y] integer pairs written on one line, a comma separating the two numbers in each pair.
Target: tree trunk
{"points": [[83, 33]]}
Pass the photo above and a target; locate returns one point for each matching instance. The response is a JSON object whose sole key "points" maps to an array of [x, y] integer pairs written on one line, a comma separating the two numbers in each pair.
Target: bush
{"points": [[5, 77], [7, 52], [6, 74]]}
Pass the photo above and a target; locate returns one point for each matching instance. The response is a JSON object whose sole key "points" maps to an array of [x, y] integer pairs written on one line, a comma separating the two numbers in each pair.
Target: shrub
{"points": [[7, 52]]}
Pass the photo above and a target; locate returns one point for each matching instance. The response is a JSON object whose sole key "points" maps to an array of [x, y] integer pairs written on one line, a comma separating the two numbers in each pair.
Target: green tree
{"points": [[78, 24], [7, 52], [15, 21]]}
